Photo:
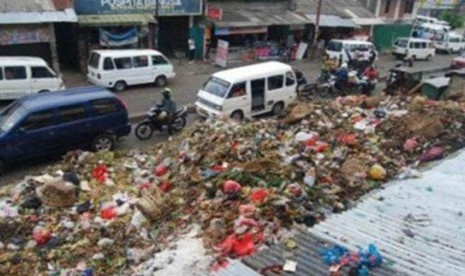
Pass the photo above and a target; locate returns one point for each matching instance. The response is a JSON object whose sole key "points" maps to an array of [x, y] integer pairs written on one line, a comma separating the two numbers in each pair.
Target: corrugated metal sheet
{"points": [[243, 14], [418, 225], [67, 15], [333, 21], [26, 6]]}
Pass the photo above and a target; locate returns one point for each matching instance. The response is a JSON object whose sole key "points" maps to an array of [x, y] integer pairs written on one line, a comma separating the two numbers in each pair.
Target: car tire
{"points": [[237, 115], [103, 142], [43, 91], [277, 108], [160, 81], [143, 131], [119, 86], [428, 57]]}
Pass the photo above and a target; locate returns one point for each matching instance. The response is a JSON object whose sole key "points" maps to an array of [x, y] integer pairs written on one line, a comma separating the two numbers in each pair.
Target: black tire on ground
{"points": [[160, 81], [44, 91], [103, 142], [277, 108], [119, 86], [237, 115], [179, 123], [143, 131]]}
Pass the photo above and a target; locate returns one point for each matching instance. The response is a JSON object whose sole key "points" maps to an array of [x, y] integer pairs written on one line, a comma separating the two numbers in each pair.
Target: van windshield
{"points": [[10, 116], [401, 43], [334, 46], [93, 60], [217, 87]]}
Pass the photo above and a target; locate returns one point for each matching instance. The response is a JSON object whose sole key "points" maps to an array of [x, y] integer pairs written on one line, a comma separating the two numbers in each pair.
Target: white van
{"points": [[415, 48], [20, 76], [451, 43], [338, 48], [248, 91], [118, 69]]}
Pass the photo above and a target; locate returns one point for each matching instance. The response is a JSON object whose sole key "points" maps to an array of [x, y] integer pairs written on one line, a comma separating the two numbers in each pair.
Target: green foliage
{"points": [[456, 20]]}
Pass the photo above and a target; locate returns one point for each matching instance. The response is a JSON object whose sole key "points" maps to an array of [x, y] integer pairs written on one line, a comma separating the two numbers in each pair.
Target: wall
{"points": [[392, 8], [384, 35]]}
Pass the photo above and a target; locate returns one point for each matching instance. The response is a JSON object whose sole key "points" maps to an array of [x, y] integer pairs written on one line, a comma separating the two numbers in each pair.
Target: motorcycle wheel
{"points": [[144, 131], [179, 123]]}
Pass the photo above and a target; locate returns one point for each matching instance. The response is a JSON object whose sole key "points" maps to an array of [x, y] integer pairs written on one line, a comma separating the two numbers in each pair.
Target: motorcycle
{"points": [[144, 130], [305, 90], [366, 86]]}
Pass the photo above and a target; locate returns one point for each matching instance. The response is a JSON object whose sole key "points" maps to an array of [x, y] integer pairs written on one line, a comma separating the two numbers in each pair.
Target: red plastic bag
{"points": [[108, 213], [320, 147], [231, 186], [41, 236], [217, 168], [410, 144], [165, 186], [244, 246], [247, 210], [259, 196], [161, 170], [100, 173], [347, 139]]}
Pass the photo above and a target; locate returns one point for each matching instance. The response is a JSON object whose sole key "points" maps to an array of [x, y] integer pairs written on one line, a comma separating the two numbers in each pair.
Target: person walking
{"points": [[191, 44]]}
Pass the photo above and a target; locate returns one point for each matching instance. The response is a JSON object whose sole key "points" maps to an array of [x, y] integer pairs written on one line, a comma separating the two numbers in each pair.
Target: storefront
{"points": [[134, 24], [255, 30]]}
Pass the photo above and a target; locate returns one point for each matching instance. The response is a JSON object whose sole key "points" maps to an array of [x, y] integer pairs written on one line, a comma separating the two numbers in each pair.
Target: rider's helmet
{"points": [[166, 92]]}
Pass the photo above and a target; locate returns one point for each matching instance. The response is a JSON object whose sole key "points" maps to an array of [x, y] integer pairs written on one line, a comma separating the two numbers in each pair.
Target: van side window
{"points": [[159, 60], [38, 120], [105, 106], [123, 63], [108, 64], [290, 79], [15, 72], [275, 82], [237, 90], [72, 113], [41, 72], [140, 61]]}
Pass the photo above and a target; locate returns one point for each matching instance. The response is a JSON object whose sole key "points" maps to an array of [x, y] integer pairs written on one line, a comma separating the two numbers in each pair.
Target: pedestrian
{"points": [[372, 56], [191, 44], [208, 46]]}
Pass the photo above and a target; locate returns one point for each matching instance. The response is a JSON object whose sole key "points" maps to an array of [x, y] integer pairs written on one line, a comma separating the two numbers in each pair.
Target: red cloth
{"points": [[371, 73]]}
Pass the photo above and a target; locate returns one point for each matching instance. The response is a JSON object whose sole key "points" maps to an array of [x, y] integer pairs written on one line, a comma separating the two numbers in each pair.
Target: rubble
{"points": [[244, 184]]}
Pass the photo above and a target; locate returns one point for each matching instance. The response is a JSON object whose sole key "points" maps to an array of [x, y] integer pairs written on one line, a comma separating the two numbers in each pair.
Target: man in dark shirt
{"points": [[168, 109]]}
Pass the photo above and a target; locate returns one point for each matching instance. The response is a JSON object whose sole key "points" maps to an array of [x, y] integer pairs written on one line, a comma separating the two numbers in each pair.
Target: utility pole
{"points": [[317, 28], [157, 23]]}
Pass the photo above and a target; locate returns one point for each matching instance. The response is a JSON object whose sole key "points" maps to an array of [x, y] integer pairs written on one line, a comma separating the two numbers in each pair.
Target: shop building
{"points": [[157, 24], [32, 28]]}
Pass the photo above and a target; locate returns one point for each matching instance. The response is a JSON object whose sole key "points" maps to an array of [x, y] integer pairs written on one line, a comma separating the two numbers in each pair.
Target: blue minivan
{"points": [[55, 122]]}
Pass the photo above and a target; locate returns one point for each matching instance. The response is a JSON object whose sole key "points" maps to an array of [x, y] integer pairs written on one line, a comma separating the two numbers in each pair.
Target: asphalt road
{"points": [[189, 79]]}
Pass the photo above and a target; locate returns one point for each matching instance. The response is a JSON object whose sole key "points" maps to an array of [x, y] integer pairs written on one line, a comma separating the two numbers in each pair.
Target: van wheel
{"points": [[44, 91], [160, 81], [277, 108], [2, 167], [119, 86], [104, 142], [237, 115], [428, 57]]}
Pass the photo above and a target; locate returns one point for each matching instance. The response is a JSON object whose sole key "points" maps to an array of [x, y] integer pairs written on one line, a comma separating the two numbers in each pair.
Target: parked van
{"points": [[451, 43], [53, 123], [429, 31], [338, 48], [415, 48], [21, 76], [118, 69], [248, 91]]}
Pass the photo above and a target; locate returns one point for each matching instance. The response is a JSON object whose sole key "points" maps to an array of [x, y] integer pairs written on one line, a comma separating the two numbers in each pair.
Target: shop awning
{"points": [[256, 18], [332, 21], [108, 20]]}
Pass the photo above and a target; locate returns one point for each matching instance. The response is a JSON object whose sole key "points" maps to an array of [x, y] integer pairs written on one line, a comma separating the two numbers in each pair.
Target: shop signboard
{"points": [[214, 13], [165, 7], [24, 35], [240, 30], [222, 53]]}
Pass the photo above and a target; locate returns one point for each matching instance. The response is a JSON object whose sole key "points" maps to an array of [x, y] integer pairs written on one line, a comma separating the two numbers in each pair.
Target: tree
{"points": [[456, 20]]}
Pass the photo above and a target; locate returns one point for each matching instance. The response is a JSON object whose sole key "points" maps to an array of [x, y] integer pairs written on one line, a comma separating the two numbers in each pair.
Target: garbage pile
{"points": [[243, 183]]}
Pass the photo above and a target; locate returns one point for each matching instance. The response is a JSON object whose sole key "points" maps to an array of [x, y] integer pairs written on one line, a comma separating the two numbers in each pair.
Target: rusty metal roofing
{"points": [[418, 225], [67, 15]]}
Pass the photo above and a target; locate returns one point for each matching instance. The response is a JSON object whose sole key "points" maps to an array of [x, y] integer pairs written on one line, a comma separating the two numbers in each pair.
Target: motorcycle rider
{"points": [[167, 108], [342, 77], [371, 75]]}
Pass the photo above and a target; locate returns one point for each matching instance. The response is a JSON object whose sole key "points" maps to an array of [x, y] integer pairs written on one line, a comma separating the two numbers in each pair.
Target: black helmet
{"points": [[166, 92]]}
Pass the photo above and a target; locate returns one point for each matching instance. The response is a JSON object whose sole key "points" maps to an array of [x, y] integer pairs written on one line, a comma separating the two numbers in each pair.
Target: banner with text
{"points": [[222, 53], [165, 7]]}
